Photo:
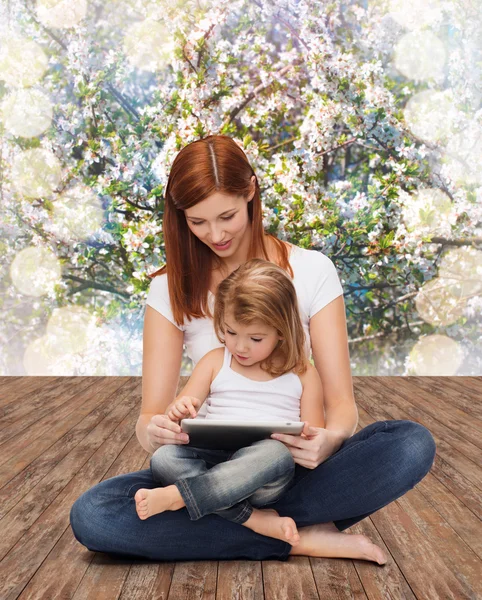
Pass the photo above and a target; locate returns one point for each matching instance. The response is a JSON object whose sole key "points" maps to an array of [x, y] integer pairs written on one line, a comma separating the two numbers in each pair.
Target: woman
{"points": [[212, 224]]}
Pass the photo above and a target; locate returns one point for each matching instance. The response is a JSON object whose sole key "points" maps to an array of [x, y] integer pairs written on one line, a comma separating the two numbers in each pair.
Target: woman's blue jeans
{"points": [[374, 467], [235, 482]]}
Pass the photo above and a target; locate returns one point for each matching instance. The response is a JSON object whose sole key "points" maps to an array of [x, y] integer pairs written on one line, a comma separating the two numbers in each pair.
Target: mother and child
{"points": [[262, 374], [289, 495]]}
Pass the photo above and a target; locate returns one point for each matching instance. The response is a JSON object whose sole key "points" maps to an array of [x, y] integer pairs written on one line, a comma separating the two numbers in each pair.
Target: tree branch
{"points": [[385, 333], [93, 285]]}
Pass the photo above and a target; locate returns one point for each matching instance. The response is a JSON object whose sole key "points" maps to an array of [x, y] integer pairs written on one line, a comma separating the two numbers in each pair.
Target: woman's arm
{"points": [[311, 402], [160, 369], [329, 343]]}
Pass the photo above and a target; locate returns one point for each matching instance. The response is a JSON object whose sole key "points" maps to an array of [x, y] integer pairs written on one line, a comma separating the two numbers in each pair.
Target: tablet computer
{"points": [[232, 435]]}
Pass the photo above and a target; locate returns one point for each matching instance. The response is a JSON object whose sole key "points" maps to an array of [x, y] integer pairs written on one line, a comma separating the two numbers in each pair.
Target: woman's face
{"points": [[218, 219]]}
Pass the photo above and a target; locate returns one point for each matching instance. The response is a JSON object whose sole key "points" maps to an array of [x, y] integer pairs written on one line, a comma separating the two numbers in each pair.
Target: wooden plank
{"points": [[437, 407], [458, 485], [239, 580], [415, 506], [148, 581], [456, 394], [194, 580], [46, 399], [445, 540], [15, 424], [377, 396], [374, 398], [18, 487], [290, 580], [26, 385], [337, 579], [70, 567], [456, 514], [27, 555], [23, 514], [417, 556], [20, 451], [444, 472], [9, 383]]}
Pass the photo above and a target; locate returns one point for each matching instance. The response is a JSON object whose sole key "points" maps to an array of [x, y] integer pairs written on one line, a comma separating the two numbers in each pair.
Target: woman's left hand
{"points": [[313, 446]]}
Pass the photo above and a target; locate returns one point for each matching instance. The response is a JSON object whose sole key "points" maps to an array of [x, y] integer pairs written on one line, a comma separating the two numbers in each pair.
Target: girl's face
{"points": [[218, 219], [253, 342]]}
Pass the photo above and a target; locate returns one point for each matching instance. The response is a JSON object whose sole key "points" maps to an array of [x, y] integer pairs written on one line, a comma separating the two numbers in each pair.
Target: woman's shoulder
{"points": [[309, 256]]}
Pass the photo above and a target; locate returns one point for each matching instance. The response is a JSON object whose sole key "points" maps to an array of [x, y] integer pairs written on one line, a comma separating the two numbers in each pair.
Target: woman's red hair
{"points": [[212, 164]]}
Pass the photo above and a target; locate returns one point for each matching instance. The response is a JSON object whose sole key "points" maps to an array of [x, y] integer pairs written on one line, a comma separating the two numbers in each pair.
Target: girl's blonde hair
{"points": [[259, 290]]}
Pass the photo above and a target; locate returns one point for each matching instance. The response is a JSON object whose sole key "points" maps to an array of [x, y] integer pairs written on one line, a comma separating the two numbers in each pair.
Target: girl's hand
{"points": [[184, 407], [312, 447]]}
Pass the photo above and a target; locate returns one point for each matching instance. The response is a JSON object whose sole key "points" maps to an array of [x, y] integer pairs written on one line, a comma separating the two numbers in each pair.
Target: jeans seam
{"points": [[246, 510], [192, 503]]}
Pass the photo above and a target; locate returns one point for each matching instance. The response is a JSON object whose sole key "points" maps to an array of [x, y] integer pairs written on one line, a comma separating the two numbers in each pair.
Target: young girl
{"points": [[261, 374]]}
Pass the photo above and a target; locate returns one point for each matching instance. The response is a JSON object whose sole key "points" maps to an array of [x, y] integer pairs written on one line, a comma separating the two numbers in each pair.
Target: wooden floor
{"points": [[61, 435]]}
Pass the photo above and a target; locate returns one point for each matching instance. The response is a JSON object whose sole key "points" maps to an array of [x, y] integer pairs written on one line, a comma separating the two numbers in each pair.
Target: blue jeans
{"points": [[374, 467], [259, 473]]}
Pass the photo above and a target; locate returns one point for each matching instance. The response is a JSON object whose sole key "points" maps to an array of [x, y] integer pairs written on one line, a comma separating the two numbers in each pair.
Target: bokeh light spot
{"points": [[464, 267], [78, 211], [436, 303], [26, 113], [35, 271], [22, 61], [71, 325], [61, 14], [429, 209], [431, 115], [420, 55], [149, 45], [36, 173], [463, 156], [435, 355], [414, 14]]}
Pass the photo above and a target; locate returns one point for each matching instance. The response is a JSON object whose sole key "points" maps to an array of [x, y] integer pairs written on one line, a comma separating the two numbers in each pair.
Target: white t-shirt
{"points": [[316, 282]]}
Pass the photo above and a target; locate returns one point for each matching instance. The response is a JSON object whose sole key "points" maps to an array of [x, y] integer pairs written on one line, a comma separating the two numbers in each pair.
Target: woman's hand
{"points": [[312, 447], [161, 430]]}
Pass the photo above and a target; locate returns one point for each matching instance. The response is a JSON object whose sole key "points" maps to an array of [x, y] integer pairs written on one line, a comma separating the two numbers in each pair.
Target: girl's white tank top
{"points": [[236, 397]]}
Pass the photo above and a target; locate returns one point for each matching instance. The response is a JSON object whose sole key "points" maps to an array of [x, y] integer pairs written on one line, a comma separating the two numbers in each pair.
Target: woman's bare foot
{"points": [[152, 502], [268, 522], [325, 540]]}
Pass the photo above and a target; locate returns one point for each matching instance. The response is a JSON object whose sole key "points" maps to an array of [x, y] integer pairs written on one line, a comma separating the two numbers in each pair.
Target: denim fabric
{"points": [[234, 482], [374, 467]]}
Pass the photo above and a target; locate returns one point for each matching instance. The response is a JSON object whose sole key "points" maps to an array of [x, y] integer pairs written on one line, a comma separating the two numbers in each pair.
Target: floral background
{"points": [[362, 121]]}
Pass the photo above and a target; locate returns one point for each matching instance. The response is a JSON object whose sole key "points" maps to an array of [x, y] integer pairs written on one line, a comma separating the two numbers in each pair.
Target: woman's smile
{"points": [[223, 246]]}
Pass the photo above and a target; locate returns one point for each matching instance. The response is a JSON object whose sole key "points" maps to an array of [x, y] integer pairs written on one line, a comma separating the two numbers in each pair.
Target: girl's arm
{"points": [[199, 383], [311, 402]]}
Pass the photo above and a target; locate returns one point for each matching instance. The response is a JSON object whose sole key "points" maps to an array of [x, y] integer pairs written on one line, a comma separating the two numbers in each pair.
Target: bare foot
{"points": [[152, 502], [268, 522], [325, 540]]}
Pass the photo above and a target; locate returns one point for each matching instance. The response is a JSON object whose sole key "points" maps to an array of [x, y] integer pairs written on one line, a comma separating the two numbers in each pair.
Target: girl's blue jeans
{"points": [[226, 483], [374, 467]]}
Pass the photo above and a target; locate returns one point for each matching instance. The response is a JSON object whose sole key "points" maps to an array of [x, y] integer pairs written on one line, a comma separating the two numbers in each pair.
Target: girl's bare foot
{"points": [[325, 540], [268, 522], [152, 502]]}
